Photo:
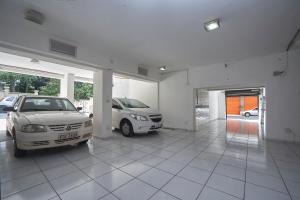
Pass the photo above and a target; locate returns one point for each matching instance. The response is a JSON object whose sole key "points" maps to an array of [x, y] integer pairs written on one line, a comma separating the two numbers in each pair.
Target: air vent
{"points": [[34, 16], [63, 48], [142, 71]]}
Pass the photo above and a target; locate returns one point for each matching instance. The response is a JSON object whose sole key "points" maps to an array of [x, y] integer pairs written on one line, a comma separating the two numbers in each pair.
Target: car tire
{"points": [[18, 152], [83, 142], [7, 133], [126, 128], [247, 114]]}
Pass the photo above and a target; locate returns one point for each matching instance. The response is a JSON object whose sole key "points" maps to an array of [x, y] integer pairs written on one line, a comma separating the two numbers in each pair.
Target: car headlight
{"points": [[34, 128], [139, 117], [88, 123]]}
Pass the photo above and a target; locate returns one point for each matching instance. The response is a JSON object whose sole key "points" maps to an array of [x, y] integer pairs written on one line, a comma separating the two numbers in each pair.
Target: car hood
{"points": [[52, 117], [143, 111]]}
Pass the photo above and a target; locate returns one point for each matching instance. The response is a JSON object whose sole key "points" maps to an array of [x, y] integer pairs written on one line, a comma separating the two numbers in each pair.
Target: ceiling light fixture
{"points": [[212, 25], [163, 68]]}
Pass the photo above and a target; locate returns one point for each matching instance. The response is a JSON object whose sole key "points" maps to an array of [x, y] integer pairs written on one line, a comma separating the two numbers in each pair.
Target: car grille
{"points": [[62, 127], [155, 118], [66, 140]]}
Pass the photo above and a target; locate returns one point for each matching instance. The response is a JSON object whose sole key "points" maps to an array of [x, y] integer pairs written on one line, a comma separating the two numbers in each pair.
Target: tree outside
{"points": [[23, 83]]}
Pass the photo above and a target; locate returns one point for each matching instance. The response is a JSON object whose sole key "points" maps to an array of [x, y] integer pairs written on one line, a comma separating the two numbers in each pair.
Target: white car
{"points": [[37, 122], [132, 116], [248, 113]]}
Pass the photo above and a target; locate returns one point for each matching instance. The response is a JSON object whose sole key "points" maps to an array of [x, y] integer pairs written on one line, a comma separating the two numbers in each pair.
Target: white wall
{"points": [[217, 105], [282, 93], [145, 91]]}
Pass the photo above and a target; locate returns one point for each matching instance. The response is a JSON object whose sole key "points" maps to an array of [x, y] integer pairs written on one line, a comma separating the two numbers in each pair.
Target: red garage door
{"points": [[233, 105], [250, 102]]}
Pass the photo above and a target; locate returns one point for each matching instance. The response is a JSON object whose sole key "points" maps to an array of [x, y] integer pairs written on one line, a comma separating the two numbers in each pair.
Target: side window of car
{"points": [[115, 105], [16, 105]]}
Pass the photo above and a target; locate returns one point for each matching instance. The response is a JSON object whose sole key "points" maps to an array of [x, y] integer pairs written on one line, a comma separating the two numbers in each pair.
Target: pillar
{"points": [[102, 102], [67, 86]]}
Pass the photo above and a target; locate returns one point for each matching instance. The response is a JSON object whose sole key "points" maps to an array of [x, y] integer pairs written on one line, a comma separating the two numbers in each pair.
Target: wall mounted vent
{"points": [[63, 48], [34, 16], [142, 71]]}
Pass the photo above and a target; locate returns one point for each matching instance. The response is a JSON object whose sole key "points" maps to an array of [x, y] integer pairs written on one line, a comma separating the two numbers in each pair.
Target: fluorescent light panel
{"points": [[212, 25]]}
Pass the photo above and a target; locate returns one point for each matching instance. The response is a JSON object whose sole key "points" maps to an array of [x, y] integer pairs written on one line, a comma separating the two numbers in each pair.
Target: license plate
{"points": [[157, 125], [67, 135]]}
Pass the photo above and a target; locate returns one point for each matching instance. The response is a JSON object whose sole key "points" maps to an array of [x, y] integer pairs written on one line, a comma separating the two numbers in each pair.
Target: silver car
{"points": [[248, 113]]}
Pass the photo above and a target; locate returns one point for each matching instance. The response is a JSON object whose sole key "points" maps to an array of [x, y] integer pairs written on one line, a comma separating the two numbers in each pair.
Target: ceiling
{"points": [[169, 32], [25, 63]]}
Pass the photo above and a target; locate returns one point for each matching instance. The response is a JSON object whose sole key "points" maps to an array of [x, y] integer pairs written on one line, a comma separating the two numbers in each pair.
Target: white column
{"points": [[67, 86], [102, 99]]}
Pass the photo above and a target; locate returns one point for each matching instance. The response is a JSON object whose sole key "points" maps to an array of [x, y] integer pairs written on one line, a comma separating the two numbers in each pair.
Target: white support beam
{"points": [[67, 86], [102, 102]]}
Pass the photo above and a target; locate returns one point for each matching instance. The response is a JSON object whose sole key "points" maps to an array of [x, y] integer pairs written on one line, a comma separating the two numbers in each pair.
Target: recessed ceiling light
{"points": [[212, 25], [163, 68]]}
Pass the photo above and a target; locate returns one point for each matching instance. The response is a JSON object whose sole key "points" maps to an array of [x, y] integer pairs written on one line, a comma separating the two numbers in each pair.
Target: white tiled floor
{"points": [[222, 161]]}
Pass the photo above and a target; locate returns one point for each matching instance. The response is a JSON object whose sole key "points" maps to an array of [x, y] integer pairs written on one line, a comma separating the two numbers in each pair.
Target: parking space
{"points": [[213, 163]]}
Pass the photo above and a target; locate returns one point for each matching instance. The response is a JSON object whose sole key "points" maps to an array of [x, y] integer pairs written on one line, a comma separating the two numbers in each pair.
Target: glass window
{"points": [[46, 104]]}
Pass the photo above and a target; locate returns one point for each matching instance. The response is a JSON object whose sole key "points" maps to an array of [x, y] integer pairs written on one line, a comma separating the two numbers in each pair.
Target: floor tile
{"points": [[69, 181], [203, 164], [17, 185], [60, 171], [293, 187], [230, 171], [171, 166], [233, 162], [113, 180], [266, 181], [227, 185], [260, 193], [155, 177], [151, 160], [141, 191], [211, 194], [162, 196], [195, 174], [135, 168], [98, 170], [183, 188], [86, 162], [40, 192], [90, 191], [109, 197], [120, 161]]}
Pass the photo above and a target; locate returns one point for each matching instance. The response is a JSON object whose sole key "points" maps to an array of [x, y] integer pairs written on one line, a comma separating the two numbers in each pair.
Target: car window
{"points": [[10, 99], [16, 105], [132, 103], [115, 104], [1, 108], [46, 104]]}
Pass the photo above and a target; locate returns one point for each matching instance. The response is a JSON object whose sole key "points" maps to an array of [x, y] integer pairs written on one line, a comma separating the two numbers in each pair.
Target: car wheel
{"points": [[7, 133], [18, 152], [247, 114], [126, 128], [83, 142]]}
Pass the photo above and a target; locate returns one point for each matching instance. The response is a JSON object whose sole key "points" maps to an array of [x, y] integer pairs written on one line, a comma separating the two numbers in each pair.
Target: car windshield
{"points": [[132, 103], [46, 104]]}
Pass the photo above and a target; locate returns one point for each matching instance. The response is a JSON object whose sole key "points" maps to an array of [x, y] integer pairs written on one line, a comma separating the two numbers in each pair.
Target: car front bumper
{"points": [[30, 141], [146, 126]]}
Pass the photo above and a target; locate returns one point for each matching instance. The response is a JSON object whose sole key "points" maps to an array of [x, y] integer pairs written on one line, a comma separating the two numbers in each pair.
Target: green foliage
{"points": [[47, 86], [83, 91], [21, 82], [52, 88]]}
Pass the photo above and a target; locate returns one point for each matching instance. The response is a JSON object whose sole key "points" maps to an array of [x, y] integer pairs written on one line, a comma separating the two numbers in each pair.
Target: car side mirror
{"points": [[9, 109], [79, 108], [91, 116], [117, 107]]}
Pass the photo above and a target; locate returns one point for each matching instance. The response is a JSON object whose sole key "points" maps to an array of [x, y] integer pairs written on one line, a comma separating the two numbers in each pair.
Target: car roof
{"points": [[43, 96]]}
